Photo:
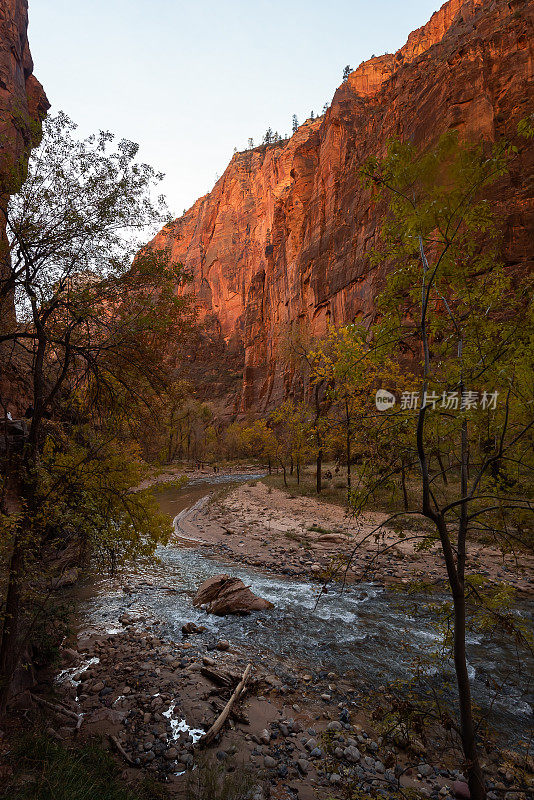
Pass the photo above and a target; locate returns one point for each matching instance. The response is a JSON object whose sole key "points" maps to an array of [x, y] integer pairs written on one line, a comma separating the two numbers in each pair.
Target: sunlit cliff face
{"points": [[281, 244]]}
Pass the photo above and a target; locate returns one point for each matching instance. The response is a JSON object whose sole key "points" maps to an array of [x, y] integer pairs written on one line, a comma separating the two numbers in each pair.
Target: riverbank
{"points": [[134, 679], [181, 474], [303, 735], [302, 537]]}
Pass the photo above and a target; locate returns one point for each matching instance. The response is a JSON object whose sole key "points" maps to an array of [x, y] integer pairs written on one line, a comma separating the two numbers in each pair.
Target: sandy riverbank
{"points": [[302, 537]]}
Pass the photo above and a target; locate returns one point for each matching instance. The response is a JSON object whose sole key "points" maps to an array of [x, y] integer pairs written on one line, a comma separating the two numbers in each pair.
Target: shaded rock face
{"points": [[222, 595], [23, 105], [280, 246]]}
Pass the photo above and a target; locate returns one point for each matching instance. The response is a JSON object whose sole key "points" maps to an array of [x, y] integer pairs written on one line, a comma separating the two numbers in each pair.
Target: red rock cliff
{"points": [[283, 237], [23, 104]]}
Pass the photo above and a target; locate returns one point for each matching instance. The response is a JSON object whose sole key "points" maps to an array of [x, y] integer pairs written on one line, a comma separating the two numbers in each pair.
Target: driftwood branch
{"points": [[225, 713], [120, 749], [57, 708]]}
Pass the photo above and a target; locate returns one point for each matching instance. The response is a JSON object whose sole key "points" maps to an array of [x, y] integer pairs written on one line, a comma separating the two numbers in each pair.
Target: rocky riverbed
{"points": [[304, 734], [304, 723]]}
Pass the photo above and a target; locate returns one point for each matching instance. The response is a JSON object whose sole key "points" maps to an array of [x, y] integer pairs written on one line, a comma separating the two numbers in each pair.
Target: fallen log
{"points": [[235, 714], [57, 708], [225, 679], [225, 713]]}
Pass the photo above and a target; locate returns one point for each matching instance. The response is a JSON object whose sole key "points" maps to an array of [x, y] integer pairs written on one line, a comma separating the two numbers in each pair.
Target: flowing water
{"points": [[370, 631]]}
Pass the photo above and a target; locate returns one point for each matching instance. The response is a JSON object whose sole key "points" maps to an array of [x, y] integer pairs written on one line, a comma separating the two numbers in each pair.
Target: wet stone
{"points": [[334, 726], [353, 755]]}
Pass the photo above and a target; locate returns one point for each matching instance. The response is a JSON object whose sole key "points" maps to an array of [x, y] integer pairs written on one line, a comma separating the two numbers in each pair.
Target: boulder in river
{"points": [[223, 595]]}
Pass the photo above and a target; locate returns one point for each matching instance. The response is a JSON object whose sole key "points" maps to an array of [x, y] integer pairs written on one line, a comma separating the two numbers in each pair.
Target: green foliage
{"points": [[293, 433], [442, 240], [525, 127], [87, 488], [91, 348], [463, 324], [352, 367]]}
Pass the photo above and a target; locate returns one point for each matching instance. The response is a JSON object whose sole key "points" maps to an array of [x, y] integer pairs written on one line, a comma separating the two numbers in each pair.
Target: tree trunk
{"points": [[467, 726], [455, 567], [298, 472], [442, 467], [9, 644], [318, 471], [349, 455], [403, 482]]}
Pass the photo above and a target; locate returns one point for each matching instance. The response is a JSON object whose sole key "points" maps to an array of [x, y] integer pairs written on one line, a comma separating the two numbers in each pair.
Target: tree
{"points": [[88, 322], [448, 294], [251, 143], [325, 108], [312, 116], [297, 348], [295, 123], [293, 435], [258, 440], [268, 136], [346, 73], [349, 365]]}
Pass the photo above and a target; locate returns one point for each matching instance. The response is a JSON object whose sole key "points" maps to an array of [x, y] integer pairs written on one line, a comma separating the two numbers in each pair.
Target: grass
{"points": [[300, 540], [318, 529], [45, 769], [212, 782], [387, 498], [333, 492]]}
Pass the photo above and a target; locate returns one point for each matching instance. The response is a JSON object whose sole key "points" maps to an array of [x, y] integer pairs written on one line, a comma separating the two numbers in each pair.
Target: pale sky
{"points": [[189, 81]]}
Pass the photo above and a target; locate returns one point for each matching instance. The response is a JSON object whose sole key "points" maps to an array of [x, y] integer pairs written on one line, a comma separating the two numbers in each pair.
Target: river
{"points": [[371, 632]]}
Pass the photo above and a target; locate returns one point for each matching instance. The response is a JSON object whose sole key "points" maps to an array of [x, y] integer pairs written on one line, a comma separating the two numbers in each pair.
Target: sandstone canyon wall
{"points": [[283, 238], [23, 105]]}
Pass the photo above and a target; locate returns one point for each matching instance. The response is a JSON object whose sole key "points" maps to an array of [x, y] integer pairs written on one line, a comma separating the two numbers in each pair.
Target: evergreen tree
{"points": [[312, 115], [346, 72], [251, 143], [268, 136], [295, 123]]}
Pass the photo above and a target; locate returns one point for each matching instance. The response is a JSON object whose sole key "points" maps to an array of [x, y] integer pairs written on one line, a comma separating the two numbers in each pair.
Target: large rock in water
{"points": [[223, 595]]}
